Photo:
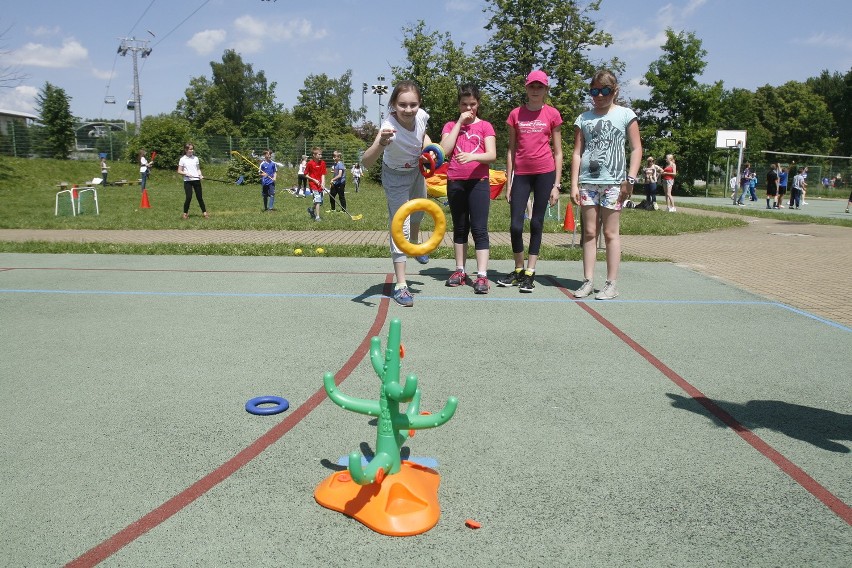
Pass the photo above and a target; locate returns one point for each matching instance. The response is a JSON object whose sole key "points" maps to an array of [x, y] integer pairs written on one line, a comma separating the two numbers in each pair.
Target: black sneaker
{"points": [[311, 212], [527, 284], [512, 279]]}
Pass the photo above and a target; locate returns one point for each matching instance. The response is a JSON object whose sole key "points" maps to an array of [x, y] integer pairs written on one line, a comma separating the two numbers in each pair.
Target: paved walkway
{"points": [[803, 265]]}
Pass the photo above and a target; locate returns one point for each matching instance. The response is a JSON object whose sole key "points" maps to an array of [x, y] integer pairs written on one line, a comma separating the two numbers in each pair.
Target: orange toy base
{"points": [[405, 504]]}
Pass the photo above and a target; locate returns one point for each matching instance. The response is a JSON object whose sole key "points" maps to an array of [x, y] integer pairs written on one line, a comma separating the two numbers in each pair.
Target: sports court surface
{"points": [[687, 423]]}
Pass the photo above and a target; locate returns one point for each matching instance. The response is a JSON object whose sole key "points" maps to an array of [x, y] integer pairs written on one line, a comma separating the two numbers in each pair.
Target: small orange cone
{"points": [[569, 223], [144, 204]]}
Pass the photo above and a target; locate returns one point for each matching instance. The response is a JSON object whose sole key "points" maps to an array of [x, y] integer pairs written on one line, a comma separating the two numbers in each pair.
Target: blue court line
{"points": [[527, 299]]}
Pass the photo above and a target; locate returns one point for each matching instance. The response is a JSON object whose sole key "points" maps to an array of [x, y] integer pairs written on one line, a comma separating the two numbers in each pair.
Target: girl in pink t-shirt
{"points": [[470, 145], [534, 167]]}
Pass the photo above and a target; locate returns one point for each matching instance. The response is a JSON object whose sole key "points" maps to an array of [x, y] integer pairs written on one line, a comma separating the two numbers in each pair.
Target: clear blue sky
{"points": [[73, 44]]}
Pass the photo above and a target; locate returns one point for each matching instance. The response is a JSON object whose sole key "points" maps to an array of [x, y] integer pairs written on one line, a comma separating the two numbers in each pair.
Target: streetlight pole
{"points": [[135, 46], [380, 89]]}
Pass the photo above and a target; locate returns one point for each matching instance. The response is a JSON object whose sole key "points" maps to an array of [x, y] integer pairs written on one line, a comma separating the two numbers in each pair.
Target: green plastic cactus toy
{"points": [[406, 501]]}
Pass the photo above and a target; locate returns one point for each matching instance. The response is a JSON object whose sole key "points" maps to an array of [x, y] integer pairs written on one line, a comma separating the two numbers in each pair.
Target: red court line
{"points": [[840, 508], [174, 505]]}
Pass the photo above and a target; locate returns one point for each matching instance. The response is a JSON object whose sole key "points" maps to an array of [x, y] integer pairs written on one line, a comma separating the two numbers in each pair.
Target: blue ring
{"points": [[439, 154], [253, 405]]}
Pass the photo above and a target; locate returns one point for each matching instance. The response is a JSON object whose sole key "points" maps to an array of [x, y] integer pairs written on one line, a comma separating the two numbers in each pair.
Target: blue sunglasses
{"points": [[606, 91]]}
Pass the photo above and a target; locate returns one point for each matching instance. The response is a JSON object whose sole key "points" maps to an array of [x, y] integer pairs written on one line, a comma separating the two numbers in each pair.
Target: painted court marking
{"points": [[840, 508], [177, 503]]}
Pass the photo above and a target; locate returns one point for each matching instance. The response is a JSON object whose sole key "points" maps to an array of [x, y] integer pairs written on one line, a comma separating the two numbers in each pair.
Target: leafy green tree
{"points": [[54, 109], [553, 35], [241, 90], [438, 66], [324, 107], [681, 115], [166, 135], [836, 90], [220, 106], [797, 119]]}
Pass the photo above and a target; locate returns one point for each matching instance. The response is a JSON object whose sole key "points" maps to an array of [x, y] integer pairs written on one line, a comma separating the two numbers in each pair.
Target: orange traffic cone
{"points": [[569, 223], [144, 204]]}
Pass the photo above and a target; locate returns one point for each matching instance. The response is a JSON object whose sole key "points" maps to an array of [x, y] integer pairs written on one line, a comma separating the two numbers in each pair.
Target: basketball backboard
{"points": [[730, 138]]}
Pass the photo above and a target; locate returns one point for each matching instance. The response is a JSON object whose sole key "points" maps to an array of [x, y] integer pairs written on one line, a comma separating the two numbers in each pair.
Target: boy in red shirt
{"points": [[315, 172]]}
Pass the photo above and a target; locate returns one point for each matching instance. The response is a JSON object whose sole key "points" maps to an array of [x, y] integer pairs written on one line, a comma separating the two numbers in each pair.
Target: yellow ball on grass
{"points": [[297, 252]]}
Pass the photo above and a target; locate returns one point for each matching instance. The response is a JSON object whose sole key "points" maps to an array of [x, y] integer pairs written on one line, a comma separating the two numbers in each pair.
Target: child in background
{"points": [[598, 181], [669, 173], [652, 174], [470, 145], [533, 167], [400, 142], [338, 182], [356, 176], [144, 168], [315, 171], [302, 181], [268, 173], [104, 171], [190, 168]]}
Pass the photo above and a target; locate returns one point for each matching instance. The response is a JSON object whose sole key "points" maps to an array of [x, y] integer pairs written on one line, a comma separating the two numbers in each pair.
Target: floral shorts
{"points": [[604, 195]]}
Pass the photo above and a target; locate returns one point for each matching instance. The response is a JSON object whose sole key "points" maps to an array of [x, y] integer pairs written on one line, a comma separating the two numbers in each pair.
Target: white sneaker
{"points": [[585, 290], [608, 292], [673, 210], [656, 207]]}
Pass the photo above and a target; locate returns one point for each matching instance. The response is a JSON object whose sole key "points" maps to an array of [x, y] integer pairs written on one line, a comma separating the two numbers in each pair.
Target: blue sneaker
{"points": [[422, 259], [403, 297]]}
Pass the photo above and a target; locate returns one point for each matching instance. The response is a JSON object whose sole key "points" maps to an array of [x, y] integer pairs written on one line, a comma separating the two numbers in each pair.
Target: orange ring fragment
{"points": [[470, 523]]}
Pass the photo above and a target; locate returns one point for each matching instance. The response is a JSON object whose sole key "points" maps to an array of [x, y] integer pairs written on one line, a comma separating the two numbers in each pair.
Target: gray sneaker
{"points": [[585, 290], [608, 292]]}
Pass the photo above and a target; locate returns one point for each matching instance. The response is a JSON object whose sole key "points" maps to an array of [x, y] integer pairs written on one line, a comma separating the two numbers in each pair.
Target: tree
{"points": [[797, 119], [553, 35], [54, 109], [681, 115], [222, 104], [324, 109], [9, 76], [438, 66], [241, 90], [166, 135], [836, 90]]}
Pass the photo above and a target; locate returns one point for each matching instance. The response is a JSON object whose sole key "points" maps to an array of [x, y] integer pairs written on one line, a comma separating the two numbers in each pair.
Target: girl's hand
{"points": [[624, 192], [467, 117], [464, 157], [385, 136], [575, 196], [509, 193], [554, 196]]}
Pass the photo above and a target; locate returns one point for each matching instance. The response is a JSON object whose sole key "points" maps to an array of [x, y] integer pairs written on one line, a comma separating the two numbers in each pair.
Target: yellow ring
{"points": [[427, 206]]}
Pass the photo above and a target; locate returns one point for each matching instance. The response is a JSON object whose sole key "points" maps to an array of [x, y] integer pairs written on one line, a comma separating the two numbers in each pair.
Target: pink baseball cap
{"points": [[537, 76]]}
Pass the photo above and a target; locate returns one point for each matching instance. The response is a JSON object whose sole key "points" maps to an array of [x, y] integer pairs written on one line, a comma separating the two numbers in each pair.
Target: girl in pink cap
{"points": [[533, 167]]}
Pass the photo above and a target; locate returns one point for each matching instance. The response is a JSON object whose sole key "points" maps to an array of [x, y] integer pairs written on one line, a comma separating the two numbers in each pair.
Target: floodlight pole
{"points": [[380, 89], [135, 46]]}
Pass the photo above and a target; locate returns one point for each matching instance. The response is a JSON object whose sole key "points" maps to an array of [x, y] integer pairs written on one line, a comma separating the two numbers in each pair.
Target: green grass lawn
{"points": [[28, 190]]}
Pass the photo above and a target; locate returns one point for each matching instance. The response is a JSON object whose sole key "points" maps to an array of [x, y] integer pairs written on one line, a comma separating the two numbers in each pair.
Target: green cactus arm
{"points": [[363, 476], [359, 405], [434, 420], [401, 393]]}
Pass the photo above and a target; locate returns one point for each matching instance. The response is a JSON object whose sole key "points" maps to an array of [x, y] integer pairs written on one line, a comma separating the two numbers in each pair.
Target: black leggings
{"points": [[303, 182], [540, 186], [470, 200], [188, 187], [337, 190]]}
